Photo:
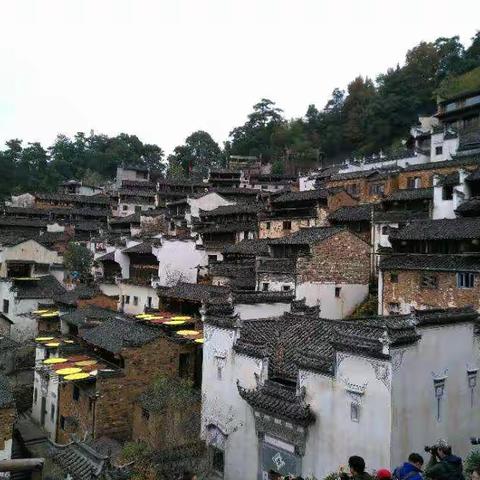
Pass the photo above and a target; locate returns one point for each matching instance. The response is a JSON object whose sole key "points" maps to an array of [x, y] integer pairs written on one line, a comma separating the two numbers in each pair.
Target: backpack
{"points": [[396, 475]]}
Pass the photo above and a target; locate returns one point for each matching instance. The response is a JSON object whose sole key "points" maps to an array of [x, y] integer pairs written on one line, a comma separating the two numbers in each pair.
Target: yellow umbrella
{"points": [[48, 315], [174, 322], [141, 315], [181, 318], [44, 339], [52, 344], [68, 371], [68, 341], [85, 363], [76, 376], [199, 340], [41, 311], [188, 333], [51, 361]]}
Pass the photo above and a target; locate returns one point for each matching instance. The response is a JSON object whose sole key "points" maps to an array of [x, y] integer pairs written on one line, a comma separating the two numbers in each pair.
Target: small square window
{"points": [[447, 192], [465, 280], [6, 306], [218, 461], [172, 225], [265, 286], [385, 230], [149, 302], [267, 226], [287, 225], [429, 280], [127, 299], [438, 150], [355, 412], [286, 288], [394, 278], [393, 308], [124, 207], [135, 301], [337, 291]]}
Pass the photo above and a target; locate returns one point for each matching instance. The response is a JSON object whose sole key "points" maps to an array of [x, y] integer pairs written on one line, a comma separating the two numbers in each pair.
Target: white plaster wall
{"points": [[131, 207], [27, 251], [222, 405], [334, 436], [351, 295], [109, 289], [6, 452], [275, 285], [208, 202], [23, 200], [453, 349], [306, 183], [178, 261], [84, 190], [140, 291], [261, 310], [124, 260], [442, 208]]}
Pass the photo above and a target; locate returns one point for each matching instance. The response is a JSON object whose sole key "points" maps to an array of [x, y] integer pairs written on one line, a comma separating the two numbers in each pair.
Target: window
{"points": [[286, 288], [245, 234], [62, 422], [219, 373], [149, 302], [124, 207], [429, 280], [337, 291], [355, 412], [212, 258], [218, 461], [6, 306], [385, 230], [465, 280], [265, 286], [394, 278], [414, 182], [145, 414], [287, 225], [172, 225], [35, 395], [138, 208], [135, 301], [352, 189], [376, 189], [76, 393], [438, 150], [393, 307], [183, 365], [127, 299], [52, 412], [447, 192], [268, 225]]}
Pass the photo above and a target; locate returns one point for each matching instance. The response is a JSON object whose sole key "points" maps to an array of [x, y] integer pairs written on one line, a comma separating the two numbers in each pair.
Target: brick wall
{"points": [[102, 301], [426, 176], [364, 195], [342, 258], [116, 395], [408, 291], [341, 199], [7, 417]]}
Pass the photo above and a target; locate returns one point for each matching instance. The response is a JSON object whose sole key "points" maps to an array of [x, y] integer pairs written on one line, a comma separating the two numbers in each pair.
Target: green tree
{"points": [[78, 260]]}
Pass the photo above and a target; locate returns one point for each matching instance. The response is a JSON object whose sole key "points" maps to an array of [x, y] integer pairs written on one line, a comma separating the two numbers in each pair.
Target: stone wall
{"points": [[342, 259], [7, 417], [426, 176], [407, 292], [341, 199]]}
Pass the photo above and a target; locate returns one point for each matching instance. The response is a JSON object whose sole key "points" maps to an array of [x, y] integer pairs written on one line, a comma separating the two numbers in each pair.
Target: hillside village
{"points": [[248, 321]]}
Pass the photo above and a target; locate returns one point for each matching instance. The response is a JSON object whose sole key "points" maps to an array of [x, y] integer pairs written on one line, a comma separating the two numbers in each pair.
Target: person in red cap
{"points": [[383, 474]]}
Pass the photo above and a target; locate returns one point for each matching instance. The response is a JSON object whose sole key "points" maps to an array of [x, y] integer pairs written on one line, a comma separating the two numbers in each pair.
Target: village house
{"points": [[289, 212], [131, 173], [78, 187], [298, 394], [89, 390], [329, 267], [132, 200], [224, 178], [169, 190], [433, 263], [272, 182]]}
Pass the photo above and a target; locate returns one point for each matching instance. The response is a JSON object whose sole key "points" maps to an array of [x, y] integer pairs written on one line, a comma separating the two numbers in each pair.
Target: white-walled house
{"points": [[299, 394]]}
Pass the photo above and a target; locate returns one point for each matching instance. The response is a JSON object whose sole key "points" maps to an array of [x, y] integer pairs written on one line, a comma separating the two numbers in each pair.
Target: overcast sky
{"points": [[162, 69]]}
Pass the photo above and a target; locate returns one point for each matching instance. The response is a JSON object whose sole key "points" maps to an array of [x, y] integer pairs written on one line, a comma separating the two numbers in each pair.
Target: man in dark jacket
{"points": [[411, 470], [357, 470], [443, 465]]}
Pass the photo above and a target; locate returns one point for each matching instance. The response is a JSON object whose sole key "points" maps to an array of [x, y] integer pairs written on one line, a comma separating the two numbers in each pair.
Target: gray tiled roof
{"points": [[304, 196], [195, 292], [63, 197], [252, 208], [255, 247], [454, 162], [410, 194], [144, 247], [117, 333], [80, 292], [110, 256], [80, 316], [263, 297], [307, 236], [357, 213], [133, 218], [445, 229], [445, 263], [469, 207], [45, 287], [398, 216]]}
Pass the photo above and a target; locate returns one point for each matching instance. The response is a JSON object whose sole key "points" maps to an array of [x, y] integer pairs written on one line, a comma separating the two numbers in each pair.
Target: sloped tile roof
{"points": [[81, 316], [255, 247], [195, 292], [307, 236], [233, 209], [444, 263], [457, 161], [303, 196], [144, 247], [47, 287], [357, 213], [445, 229], [63, 197], [410, 194]]}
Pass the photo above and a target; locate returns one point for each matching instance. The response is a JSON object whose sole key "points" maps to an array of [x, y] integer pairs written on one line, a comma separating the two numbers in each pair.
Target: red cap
{"points": [[384, 474]]}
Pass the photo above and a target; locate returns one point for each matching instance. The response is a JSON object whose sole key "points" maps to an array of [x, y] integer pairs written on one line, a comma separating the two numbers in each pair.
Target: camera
{"points": [[475, 440], [433, 449]]}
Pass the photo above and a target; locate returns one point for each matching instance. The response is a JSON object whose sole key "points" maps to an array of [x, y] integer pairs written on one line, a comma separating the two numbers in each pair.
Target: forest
{"points": [[369, 116]]}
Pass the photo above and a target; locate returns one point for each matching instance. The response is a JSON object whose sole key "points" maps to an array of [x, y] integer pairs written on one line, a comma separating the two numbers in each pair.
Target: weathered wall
{"points": [[408, 292], [261, 310], [7, 418]]}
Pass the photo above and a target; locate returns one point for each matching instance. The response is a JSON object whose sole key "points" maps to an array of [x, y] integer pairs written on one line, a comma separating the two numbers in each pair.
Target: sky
{"points": [[162, 69]]}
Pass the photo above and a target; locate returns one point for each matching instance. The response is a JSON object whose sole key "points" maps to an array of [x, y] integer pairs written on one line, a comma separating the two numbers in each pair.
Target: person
{"points": [[476, 474], [273, 475], [383, 474], [411, 470], [443, 465], [357, 469]]}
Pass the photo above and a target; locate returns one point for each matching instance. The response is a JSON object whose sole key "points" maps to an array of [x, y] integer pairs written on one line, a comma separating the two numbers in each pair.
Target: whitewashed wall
{"points": [[141, 292], [261, 310]]}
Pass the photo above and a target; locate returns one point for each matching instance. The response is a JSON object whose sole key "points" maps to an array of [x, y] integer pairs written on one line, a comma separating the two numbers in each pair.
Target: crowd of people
{"points": [[443, 465]]}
